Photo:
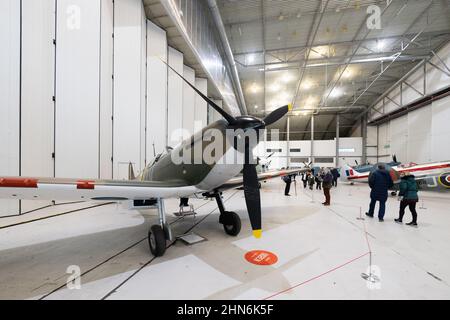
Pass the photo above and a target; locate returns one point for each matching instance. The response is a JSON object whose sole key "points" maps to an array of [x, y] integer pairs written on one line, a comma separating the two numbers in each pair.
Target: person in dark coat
{"points": [[336, 175], [327, 184], [318, 180], [380, 182], [288, 181], [305, 180], [311, 181], [409, 197]]}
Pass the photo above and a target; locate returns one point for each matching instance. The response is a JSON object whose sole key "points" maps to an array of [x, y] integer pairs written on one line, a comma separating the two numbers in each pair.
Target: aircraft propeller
{"points": [[251, 184]]}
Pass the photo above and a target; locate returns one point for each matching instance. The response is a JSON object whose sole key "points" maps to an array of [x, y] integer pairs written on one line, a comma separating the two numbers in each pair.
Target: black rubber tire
{"points": [[232, 226], [157, 241]]}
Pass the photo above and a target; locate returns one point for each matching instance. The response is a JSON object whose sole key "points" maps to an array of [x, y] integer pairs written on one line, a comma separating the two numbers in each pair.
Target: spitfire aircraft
{"points": [[434, 176], [166, 178]]}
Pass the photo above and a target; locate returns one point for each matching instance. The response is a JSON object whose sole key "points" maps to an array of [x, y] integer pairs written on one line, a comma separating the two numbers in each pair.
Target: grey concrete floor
{"points": [[322, 251]]}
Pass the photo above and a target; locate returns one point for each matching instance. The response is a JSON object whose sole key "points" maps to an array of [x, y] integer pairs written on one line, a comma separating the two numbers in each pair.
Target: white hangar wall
{"points": [[38, 89], [10, 83], [110, 88], [156, 90], [201, 107], [127, 137], [188, 101], [421, 135], [175, 97], [77, 88], [294, 153]]}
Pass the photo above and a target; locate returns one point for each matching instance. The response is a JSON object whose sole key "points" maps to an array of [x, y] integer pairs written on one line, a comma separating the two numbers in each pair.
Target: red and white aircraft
{"points": [[434, 175]]}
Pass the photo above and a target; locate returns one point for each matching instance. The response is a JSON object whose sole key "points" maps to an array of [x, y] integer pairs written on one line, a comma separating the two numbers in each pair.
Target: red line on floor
{"points": [[317, 277]]}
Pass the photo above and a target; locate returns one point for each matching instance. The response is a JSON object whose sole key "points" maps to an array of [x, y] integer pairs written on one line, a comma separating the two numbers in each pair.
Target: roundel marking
{"points": [[444, 180]]}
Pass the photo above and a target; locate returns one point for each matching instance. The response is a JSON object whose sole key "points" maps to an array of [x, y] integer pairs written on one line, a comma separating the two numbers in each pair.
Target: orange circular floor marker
{"points": [[261, 257]]}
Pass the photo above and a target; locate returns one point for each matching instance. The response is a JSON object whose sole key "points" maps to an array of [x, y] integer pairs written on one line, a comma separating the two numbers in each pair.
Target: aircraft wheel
{"points": [[232, 224], [157, 241]]}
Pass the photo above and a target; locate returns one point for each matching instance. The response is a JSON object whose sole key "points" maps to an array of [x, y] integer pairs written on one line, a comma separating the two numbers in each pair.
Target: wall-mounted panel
{"points": [[440, 130], [384, 142], [175, 97], [106, 89], [399, 138], [419, 135], [9, 96], [201, 107], [143, 96], [156, 90], [77, 88], [38, 70], [127, 86], [188, 101]]}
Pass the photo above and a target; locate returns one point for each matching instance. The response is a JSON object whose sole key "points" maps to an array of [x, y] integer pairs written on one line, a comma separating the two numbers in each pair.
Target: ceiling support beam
{"points": [[403, 49], [338, 43]]}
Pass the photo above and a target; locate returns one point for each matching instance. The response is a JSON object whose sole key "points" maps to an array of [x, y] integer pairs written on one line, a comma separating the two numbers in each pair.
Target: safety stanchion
{"points": [[422, 205], [360, 215]]}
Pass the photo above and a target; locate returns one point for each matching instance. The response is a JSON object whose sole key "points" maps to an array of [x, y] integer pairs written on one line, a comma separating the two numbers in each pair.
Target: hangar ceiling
{"points": [[322, 56]]}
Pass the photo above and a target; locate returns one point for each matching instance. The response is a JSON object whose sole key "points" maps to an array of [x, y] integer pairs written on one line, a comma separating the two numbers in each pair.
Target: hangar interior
{"points": [[85, 91]]}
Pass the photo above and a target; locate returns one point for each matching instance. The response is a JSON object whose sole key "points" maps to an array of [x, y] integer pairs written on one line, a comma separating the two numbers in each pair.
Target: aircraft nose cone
{"points": [[249, 122]]}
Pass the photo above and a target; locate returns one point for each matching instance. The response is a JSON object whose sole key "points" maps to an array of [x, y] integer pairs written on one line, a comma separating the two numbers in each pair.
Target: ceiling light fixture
{"points": [[380, 45], [275, 87], [254, 88], [337, 92], [307, 84]]}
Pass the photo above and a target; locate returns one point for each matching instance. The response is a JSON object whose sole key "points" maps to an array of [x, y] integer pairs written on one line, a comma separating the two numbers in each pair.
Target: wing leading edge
{"points": [[22, 188]]}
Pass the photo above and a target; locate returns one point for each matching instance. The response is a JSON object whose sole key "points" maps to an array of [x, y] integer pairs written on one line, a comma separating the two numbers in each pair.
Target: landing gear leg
{"points": [[230, 220], [159, 233]]}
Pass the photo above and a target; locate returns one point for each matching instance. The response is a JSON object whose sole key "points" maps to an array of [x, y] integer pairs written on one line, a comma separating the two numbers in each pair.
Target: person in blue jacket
{"points": [[380, 182], [409, 197]]}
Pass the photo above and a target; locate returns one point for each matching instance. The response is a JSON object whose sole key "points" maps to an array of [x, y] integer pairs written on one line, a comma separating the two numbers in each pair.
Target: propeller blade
{"points": [[277, 114], [223, 113], [252, 194]]}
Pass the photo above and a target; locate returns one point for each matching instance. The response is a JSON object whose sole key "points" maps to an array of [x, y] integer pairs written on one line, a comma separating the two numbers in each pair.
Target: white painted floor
{"points": [[322, 251]]}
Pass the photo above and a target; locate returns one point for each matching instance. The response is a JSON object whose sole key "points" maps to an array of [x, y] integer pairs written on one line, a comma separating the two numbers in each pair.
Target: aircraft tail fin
{"points": [[131, 175], [348, 173]]}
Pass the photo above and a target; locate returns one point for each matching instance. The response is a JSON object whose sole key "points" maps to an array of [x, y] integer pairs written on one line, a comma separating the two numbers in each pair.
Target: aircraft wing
{"points": [[239, 181], [22, 188]]}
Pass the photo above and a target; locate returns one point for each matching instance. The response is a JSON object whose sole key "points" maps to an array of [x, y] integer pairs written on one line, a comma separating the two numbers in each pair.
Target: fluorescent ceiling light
{"points": [[286, 78], [254, 88], [381, 44], [337, 92], [275, 87], [307, 84]]}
